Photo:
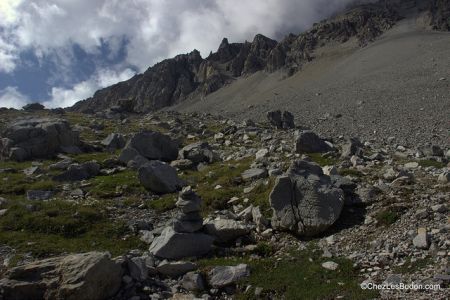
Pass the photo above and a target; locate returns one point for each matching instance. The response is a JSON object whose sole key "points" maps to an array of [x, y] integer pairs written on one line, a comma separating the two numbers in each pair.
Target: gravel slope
{"points": [[398, 86]]}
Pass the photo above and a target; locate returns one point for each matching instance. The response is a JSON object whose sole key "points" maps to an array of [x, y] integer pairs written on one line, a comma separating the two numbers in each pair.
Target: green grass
{"points": [[322, 161], [98, 156], [431, 163], [125, 182], [260, 197], [225, 174], [387, 216], [163, 203], [350, 172], [18, 183], [57, 226], [301, 277], [411, 267]]}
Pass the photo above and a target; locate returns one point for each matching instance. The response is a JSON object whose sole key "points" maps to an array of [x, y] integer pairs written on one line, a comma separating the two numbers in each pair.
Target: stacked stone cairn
{"points": [[184, 238]]}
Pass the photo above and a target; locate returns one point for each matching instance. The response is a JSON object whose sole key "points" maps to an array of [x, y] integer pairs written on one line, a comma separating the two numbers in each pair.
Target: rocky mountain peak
{"points": [[189, 75]]}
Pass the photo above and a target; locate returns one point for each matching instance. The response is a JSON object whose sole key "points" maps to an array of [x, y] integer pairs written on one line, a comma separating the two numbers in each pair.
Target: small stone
{"points": [[330, 170], [330, 265], [223, 276], [440, 208], [421, 241], [253, 174], [411, 165], [175, 269], [193, 282], [444, 177], [261, 154]]}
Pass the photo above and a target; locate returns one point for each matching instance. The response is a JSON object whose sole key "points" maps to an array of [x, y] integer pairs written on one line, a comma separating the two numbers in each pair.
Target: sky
{"points": [[58, 52]]}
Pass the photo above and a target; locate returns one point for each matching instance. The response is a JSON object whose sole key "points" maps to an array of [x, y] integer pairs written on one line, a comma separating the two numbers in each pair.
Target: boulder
{"points": [[223, 276], [304, 201], [253, 174], [61, 165], [199, 152], [280, 120], [330, 265], [87, 276], [151, 145], [226, 230], [38, 195], [176, 245], [114, 141], [159, 177], [193, 281], [182, 164], [309, 142], [261, 154], [137, 268], [444, 177], [421, 240], [77, 172], [175, 268], [352, 147], [38, 138], [33, 107]]}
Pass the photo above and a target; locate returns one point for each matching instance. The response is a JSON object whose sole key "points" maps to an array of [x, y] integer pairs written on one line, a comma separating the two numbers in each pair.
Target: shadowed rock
{"points": [[304, 201]]}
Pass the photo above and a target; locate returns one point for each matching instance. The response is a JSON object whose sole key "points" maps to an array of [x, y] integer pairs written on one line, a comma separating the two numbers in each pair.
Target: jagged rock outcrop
{"points": [[150, 145], [38, 138], [86, 276]]}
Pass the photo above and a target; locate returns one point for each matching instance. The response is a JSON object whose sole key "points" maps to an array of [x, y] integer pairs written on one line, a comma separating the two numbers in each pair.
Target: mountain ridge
{"points": [[174, 80]]}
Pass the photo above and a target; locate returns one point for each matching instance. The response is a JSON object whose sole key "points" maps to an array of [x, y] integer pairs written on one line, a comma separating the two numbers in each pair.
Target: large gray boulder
{"points": [[309, 142], [38, 138], [151, 145], [177, 245], [304, 201], [198, 153], [159, 177], [87, 276]]}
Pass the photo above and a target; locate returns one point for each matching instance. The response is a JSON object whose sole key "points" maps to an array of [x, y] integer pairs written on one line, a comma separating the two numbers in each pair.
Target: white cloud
{"points": [[153, 29], [10, 97], [61, 97]]}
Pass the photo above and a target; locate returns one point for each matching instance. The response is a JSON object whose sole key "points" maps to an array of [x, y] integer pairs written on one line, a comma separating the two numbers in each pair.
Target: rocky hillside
{"points": [[187, 206], [189, 75]]}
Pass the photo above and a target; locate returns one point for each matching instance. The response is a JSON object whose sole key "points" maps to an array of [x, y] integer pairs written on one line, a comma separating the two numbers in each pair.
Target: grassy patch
{"points": [[57, 226], [19, 183], [260, 197], [410, 267], [300, 277], [387, 216], [350, 172], [163, 203], [227, 175], [98, 156], [431, 163], [125, 182], [322, 161]]}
